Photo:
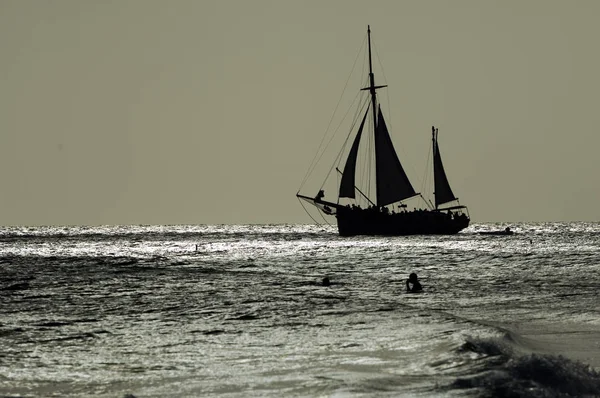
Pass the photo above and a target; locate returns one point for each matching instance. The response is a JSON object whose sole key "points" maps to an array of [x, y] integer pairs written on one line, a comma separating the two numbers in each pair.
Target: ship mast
{"points": [[372, 87], [372, 83], [433, 139]]}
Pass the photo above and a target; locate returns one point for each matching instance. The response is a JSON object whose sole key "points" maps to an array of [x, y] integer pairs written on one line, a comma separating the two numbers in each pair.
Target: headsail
{"points": [[348, 177], [392, 182], [443, 192]]}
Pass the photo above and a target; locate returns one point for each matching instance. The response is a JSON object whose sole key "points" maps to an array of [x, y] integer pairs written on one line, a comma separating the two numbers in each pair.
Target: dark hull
{"points": [[372, 222]]}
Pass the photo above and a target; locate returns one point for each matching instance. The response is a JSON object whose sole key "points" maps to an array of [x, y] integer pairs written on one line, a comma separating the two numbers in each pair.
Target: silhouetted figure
{"points": [[416, 285], [507, 229], [326, 281], [320, 195]]}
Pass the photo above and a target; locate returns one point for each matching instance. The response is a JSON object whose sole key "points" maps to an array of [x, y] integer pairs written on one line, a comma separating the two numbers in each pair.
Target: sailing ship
{"points": [[392, 187]]}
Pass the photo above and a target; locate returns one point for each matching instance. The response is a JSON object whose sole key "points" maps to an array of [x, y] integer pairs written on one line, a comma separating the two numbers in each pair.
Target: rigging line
{"points": [[368, 155], [365, 158], [338, 160], [314, 165], [355, 187], [389, 102], [311, 217], [389, 110], [427, 202], [387, 92], [338, 157], [365, 181], [369, 160], [359, 112], [359, 169], [365, 65], [334, 111], [361, 109], [391, 125], [323, 217], [367, 170]]}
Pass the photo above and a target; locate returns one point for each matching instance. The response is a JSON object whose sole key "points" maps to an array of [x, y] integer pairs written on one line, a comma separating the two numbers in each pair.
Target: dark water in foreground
{"points": [[109, 311]]}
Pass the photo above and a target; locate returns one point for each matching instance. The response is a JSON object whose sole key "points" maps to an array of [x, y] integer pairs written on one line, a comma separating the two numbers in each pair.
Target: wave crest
{"points": [[510, 373]]}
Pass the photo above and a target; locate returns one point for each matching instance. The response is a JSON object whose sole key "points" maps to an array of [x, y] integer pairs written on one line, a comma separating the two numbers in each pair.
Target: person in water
{"points": [[414, 281]]}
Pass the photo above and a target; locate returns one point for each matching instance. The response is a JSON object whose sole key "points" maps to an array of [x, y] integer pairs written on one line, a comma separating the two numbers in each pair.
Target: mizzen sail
{"points": [[443, 192], [348, 177], [392, 182]]}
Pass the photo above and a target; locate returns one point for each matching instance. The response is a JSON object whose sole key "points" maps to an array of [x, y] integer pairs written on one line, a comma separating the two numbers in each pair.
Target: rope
{"points": [[313, 164], [324, 219], [311, 217], [391, 125], [338, 157]]}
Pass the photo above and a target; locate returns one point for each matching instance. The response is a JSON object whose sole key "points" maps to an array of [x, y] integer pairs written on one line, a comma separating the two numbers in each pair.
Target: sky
{"points": [[210, 112]]}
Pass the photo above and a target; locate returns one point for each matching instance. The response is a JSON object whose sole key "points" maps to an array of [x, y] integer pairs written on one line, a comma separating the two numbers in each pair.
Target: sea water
{"points": [[238, 311]]}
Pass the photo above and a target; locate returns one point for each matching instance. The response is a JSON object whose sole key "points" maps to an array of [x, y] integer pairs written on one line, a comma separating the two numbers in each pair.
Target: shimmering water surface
{"points": [[185, 311]]}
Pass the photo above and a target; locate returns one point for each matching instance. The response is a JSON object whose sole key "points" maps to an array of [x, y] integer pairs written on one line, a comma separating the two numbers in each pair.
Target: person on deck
{"points": [[414, 281]]}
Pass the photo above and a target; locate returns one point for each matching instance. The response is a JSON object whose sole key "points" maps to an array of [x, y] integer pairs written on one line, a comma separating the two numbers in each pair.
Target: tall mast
{"points": [[372, 87], [372, 83]]}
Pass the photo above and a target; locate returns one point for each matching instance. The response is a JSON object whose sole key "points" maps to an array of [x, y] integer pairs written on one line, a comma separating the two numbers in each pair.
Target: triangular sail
{"points": [[392, 183], [348, 177], [443, 192]]}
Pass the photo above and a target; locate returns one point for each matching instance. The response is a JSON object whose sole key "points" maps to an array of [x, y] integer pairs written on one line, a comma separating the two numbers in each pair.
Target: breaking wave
{"points": [[507, 369]]}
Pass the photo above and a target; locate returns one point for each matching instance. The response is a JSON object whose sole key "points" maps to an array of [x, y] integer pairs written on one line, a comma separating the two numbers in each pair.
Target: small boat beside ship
{"points": [[505, 231]]}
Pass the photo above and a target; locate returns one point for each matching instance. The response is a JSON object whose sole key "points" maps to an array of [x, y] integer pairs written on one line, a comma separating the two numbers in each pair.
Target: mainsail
{"points": [[348, 177], [443, 192], [392, 183]]}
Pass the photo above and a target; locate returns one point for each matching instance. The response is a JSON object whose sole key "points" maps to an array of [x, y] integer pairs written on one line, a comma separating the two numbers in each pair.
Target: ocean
{"points": [[241, 311]]}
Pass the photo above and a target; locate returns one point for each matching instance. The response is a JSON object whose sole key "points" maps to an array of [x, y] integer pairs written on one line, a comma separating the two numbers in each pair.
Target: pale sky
{"points": [[210, 112]]}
